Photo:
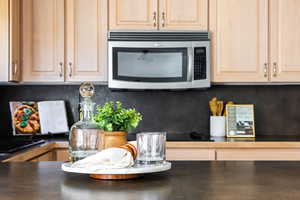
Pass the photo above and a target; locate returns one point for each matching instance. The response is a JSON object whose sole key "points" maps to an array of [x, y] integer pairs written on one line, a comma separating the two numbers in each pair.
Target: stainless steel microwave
{"points": [[158, 60]]}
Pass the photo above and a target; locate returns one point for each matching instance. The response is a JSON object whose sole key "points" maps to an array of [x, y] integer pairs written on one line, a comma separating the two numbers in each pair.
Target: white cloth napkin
{"points": [[112, 158]]}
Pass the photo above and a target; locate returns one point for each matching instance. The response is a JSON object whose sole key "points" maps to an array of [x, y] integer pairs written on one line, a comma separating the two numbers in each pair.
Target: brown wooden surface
{"points": [[115, 176]]}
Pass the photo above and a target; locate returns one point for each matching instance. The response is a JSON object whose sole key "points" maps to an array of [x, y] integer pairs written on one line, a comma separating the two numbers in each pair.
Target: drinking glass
{"points": [[151, 148]]}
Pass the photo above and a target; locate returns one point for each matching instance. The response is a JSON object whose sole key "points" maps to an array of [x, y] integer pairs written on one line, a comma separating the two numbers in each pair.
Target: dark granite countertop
{"points": [[185, 181]]}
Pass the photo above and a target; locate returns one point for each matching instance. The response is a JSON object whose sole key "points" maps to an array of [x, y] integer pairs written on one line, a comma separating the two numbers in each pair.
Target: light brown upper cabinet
{"points": [[43, 40], [158, 14], [86, 30], [183, 15], [133, 14], [10, 40], [64, 40], [239, 31], [285, 40], [255, 40]]}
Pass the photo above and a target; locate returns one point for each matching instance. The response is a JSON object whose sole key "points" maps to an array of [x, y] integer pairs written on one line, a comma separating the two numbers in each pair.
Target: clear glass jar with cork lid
{"points": [[84, 137]]}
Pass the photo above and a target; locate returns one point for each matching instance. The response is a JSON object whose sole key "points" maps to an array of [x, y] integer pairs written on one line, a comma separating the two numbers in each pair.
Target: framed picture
{"points": [[38, 118], [240, 121]]}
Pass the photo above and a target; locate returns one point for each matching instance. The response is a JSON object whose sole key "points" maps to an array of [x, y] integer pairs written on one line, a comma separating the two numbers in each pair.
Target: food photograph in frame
{"points": [[240, 121]]}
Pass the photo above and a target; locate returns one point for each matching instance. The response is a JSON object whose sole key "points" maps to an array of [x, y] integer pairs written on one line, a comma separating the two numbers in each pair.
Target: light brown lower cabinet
{"points": [[171, 154], [49, 156], [54, 155], [190, 154], [181, 154], [181, 151], [62, 155], [235, 154], [258, 154]]}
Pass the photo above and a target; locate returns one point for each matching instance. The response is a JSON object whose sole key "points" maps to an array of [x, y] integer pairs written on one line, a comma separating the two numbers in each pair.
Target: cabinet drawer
{"points": [[190, 154], [258, 154], [49, 156], [62, 155]]}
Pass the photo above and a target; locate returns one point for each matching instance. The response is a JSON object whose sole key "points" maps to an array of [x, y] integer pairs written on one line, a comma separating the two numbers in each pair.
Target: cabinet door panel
{"points": [[258, 154], [14, 65], [133, 14], [46, 157], [86, 40], [239, 40], [190, 154], [10, 40], [184, 15], [285, 40], [43, 40], [4, 40], [62, 155]]}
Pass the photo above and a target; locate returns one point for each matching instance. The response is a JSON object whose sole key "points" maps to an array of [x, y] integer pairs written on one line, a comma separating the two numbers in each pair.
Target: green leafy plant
{"points": [[113, 117]]}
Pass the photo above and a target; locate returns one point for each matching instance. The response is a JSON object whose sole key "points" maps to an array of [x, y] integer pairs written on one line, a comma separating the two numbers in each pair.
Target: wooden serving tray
{"points": [[115, 176]]}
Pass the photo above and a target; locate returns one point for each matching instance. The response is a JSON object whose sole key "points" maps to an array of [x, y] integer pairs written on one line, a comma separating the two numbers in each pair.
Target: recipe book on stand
{"points": [[38, 118]]}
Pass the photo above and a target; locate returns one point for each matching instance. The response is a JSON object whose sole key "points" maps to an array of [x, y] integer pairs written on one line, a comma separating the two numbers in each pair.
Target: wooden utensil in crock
{"points": [[213, 105]]}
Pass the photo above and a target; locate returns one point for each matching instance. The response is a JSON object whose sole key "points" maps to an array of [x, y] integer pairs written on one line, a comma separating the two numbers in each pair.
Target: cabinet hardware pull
{"points": [[70, 69], [154, 19], [15, 66], [61, 64], [274, 69], [163, 19], [266, 70]]}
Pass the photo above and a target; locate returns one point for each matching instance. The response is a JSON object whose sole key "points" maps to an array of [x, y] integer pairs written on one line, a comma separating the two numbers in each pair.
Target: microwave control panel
{"points": [[199, 63]]}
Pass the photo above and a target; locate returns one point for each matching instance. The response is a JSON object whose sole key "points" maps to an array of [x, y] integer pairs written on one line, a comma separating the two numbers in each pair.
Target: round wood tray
{"points": [[118, 174]]}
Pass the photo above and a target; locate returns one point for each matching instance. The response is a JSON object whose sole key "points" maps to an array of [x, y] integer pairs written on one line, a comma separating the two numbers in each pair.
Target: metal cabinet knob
{"points": [[70, 69], [61, 69], [154, 19], [274, 69], [163, 19], [266, 69], [15, 67]]}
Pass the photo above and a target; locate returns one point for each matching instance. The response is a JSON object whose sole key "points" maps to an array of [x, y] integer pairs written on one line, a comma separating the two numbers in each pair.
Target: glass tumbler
{"points": [[151, 148]]}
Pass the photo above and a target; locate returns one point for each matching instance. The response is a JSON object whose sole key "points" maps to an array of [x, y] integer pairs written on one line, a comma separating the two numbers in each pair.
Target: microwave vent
{"points": [[158, 36]]}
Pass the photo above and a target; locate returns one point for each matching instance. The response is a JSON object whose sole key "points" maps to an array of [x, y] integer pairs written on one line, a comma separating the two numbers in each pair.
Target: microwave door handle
{"points": [[190, 65]]}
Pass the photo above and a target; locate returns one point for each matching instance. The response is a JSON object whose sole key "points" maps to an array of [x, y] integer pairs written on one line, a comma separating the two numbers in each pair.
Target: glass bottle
{"points": [[84, 135]]}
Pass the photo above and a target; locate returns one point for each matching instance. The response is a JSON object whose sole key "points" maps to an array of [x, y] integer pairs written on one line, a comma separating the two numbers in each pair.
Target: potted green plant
{"points": [[115, 122]]}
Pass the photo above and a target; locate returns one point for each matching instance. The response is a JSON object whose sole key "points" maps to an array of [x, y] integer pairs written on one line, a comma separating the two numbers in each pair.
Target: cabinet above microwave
{"points": [[159, 60]]}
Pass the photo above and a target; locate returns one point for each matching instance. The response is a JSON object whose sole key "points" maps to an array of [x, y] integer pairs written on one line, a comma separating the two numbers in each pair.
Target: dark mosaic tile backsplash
{"points": [[277, 108]]}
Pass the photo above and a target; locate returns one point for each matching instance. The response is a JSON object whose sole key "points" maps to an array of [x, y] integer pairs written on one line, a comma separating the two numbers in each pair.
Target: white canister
{"points": [[217, 126]]}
